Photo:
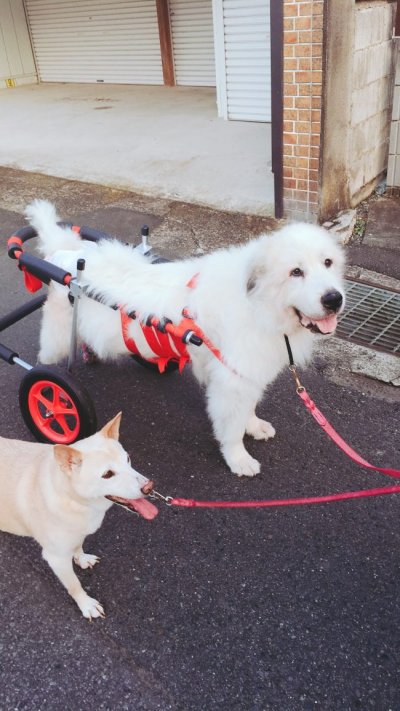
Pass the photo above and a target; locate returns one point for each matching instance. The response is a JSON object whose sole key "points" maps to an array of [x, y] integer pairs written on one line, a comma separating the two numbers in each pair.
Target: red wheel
{"points": [[54, 408]]}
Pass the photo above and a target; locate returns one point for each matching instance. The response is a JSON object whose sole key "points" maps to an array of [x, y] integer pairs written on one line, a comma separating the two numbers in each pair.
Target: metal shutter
{"points": [[192, 42], [244, 65], [110, 41]]}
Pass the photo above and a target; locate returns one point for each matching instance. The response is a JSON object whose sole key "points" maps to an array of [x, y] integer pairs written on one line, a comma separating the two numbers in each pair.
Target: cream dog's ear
{"points": [[67, 457], [111, 429]]}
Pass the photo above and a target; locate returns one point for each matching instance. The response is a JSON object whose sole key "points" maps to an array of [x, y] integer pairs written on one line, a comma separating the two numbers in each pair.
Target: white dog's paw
{"points": [[260, 429], [90, 608], [85, 560], [241, 462]]}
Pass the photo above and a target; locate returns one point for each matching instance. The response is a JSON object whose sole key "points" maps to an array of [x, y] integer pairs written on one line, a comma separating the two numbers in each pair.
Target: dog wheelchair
{"points": [[55, 408]]}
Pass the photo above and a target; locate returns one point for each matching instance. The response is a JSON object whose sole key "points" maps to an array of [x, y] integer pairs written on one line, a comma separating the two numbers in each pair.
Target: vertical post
{"points": [[80, 265], [276, 19], [164, 30]]}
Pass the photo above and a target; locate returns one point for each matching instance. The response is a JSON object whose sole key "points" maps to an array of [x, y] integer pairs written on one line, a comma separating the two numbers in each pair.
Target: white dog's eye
{"points": [[297, 272], [108, 474], [328, 263], [128, 459]]}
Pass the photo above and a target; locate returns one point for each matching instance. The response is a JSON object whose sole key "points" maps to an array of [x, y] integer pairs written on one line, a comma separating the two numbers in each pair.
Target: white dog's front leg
{"points": [[230, 409], [62, 567], [259, 429]]}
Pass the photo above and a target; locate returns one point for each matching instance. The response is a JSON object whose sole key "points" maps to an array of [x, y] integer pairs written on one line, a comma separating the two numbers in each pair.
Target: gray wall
{"points": [[16, 56], [393, 176], [359, 69]]}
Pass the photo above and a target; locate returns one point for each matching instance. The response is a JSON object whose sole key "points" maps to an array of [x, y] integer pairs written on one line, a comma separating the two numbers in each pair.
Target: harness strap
{"points": [[167, 344]]}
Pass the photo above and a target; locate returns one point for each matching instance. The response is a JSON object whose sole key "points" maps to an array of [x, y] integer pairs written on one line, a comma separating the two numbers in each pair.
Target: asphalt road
{"points": [[282, 609]]}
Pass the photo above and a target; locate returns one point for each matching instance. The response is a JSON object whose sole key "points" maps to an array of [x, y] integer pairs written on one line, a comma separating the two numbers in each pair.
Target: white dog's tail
{"points": [[42, 215]]}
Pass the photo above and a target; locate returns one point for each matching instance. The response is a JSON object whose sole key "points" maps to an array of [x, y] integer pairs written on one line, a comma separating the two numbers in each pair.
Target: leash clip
{"points": [[299, 387], [159, 497]]}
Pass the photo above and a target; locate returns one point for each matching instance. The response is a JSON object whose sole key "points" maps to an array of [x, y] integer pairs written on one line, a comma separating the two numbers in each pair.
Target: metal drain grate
{"points": [[371, 317]]}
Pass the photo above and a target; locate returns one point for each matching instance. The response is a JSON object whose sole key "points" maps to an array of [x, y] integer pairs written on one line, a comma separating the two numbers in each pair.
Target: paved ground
{"points": [[231, 610], [154, 139]]}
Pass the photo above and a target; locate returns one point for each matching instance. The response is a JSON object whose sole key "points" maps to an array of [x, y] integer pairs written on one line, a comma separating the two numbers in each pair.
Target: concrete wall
{"points": [[372, 82], [393, 175], [359, 65], [17, 65]]}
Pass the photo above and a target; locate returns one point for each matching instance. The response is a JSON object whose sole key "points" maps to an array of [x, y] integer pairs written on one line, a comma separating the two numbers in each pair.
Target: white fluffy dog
{"points": [[245, 299]]}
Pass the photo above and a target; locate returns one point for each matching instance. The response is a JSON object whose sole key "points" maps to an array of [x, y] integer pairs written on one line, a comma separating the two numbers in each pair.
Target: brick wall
{"points": [[303, 28]]}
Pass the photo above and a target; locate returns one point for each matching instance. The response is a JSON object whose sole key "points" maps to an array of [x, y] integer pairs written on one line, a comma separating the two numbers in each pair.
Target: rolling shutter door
{"points": [[244, 63], [96, 40], [192, 42]]}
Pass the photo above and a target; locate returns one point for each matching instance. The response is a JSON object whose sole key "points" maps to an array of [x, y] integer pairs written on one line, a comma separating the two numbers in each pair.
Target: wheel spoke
{"points": [[43, 400], [62, 422]]}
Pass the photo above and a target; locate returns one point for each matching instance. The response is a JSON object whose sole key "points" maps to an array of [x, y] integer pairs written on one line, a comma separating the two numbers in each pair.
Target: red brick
{"points": [[302, 102], [302, 23]]}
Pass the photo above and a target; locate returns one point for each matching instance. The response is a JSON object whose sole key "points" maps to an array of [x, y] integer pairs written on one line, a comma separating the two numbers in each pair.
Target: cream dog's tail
{"points": [[42, 215]]}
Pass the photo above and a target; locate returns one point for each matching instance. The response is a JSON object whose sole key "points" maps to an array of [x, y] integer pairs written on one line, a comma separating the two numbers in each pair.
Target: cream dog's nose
{"points": [[147, 488]]}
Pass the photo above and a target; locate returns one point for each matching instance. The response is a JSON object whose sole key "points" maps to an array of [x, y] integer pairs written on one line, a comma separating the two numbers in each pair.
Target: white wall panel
{"points": [[16, 57], [242, 39], [192, 42]]}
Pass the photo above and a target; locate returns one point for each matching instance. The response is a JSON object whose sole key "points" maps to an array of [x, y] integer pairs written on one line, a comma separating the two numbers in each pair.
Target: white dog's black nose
{"points": [[332, 301]]}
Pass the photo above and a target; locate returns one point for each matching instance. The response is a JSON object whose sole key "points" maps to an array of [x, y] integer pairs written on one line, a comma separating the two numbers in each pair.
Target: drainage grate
{"points": [[371, 317]]}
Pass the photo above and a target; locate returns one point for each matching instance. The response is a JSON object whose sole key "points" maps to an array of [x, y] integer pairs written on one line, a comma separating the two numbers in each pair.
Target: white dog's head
{"points": [[303, 267], [99, 467]]}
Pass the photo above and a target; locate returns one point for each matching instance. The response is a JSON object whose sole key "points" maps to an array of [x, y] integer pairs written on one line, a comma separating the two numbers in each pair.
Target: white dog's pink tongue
{"points": [[328, 324], [144, 507]]}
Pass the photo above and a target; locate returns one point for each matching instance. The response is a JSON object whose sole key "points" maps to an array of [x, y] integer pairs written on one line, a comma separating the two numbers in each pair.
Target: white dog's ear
{"points": [[67, 457], [111, 429], [254, 277]]}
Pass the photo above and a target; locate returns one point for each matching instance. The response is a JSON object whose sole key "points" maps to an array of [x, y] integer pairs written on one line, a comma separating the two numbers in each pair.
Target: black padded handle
{"points": [[45, 271]]}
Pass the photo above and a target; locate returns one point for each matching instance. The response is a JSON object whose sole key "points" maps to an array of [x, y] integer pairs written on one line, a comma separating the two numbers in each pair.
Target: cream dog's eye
{"points": [[128, 459], [297, 272], [108, 474], [328, 263]]}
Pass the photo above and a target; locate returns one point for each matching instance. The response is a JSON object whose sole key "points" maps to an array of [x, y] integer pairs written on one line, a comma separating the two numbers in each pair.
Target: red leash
{"points": [[192, 503], [334, 436]]}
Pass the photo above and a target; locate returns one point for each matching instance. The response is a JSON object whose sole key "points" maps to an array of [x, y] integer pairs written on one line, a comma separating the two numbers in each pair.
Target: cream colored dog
{"points": [[60, 494]]}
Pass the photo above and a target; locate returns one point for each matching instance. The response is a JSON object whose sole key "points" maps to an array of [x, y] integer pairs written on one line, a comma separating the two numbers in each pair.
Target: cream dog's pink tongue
{"points": [[144, 507]]}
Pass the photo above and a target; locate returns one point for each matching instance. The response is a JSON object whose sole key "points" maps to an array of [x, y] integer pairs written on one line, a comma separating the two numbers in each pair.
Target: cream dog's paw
{"points": [[90, 608], [86, 560], [260, 429]]}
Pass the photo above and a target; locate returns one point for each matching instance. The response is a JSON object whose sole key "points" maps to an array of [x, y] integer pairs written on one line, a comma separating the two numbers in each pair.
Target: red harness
{"points": [[167, 340]]}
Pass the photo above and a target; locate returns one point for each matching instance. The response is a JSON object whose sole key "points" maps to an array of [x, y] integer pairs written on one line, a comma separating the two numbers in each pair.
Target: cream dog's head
{"points": [[98, 467]]}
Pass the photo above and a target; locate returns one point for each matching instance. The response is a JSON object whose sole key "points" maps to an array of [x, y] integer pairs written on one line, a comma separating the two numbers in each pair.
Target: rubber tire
{"points": [[171, 367], [78, 394]]}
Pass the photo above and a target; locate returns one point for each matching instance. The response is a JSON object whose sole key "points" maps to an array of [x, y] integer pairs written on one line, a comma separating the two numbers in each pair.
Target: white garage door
{"points": [[242, 42], [96, 40], [192, 42]]}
